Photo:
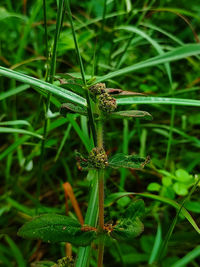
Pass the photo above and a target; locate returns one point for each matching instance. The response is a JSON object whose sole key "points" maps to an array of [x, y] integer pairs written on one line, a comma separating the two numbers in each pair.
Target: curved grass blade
{"points": [[176, 54], [15, 91], [113, 197], [19, 131], [158, 100], [55, 90], [157, 243], [16, 252], [188, 258], [151, 41]]}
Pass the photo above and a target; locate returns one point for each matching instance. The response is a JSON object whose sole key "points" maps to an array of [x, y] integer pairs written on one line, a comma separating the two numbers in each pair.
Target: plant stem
{"points": [[101, 195]]}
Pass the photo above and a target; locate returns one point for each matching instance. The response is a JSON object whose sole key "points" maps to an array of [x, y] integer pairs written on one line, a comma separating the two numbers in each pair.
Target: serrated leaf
{"points": [[135, 209], [132, 114], [127, 229], [57, 228], [70, 107], [121, 160]]}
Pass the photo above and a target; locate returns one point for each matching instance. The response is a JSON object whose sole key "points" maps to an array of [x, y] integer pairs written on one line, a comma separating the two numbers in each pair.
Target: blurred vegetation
{"points": [[107, 43]]}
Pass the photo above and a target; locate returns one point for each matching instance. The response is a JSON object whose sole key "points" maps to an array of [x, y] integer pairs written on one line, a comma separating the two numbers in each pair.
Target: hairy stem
{"points": [[101, 195]]}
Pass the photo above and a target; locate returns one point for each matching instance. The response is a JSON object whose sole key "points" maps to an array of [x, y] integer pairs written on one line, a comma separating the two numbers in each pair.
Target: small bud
{"points": [[65, 262], [98, 88], [107, 103], [98, 158]]}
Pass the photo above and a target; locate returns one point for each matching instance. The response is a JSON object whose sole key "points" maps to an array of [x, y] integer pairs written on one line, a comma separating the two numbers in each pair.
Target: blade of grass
{"points": [[172, 226], [150, 40], [19, 131], [90, 114], [90, 219], [188, 258], [99, 44], [157, 243], [51, 79], [55, 90], [23, 139], [63, 142], [14, 91], [176, 54], [158, 100], [80, 133], [16, 252]]}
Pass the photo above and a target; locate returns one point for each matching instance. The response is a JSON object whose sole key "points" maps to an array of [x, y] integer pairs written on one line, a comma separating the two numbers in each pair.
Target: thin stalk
{"points": [[45, 30], [89, 107], [101, 195], [51, 78]]}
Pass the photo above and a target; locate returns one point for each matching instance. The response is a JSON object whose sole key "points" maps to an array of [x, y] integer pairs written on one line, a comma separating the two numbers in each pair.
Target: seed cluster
{"points": [[98, 158], [65, 262], [107, 103], [98, 88]]}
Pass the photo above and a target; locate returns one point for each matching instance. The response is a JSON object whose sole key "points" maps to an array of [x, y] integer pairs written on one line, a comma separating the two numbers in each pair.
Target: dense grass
{"points": [[150, 47]]}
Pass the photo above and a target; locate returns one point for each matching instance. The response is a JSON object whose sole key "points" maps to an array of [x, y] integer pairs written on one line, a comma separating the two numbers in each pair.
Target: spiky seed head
{"points": [[107, 103], [98, 158], [98, 88]]}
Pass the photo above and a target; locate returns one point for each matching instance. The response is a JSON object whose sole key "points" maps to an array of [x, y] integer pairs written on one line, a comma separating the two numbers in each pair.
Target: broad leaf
{"points": [[127, 229], [121, 160], [135, 209], [70, 107], [113, 197], [132, 114], [57, 228]]}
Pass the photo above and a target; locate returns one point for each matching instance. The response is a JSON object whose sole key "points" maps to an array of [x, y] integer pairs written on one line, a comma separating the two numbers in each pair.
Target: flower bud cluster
{"points": [[98, 88], [107, 103], [98, 158]]}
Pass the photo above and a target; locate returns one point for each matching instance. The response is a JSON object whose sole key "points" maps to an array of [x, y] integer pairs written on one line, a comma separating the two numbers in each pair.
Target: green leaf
{"points": [[193, 206], [166, 181], [132, 114], [127, 229], [70, 107], [135, 209], [158, 100], [183, 176], [121, 160], [113, 197], [55, 90], [154, 187], [57, 228], [180, 189], [176, 54]]}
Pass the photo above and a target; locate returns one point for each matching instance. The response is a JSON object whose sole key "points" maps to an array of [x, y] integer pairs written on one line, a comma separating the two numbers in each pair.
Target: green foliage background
{"points": [[131, 32]]}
